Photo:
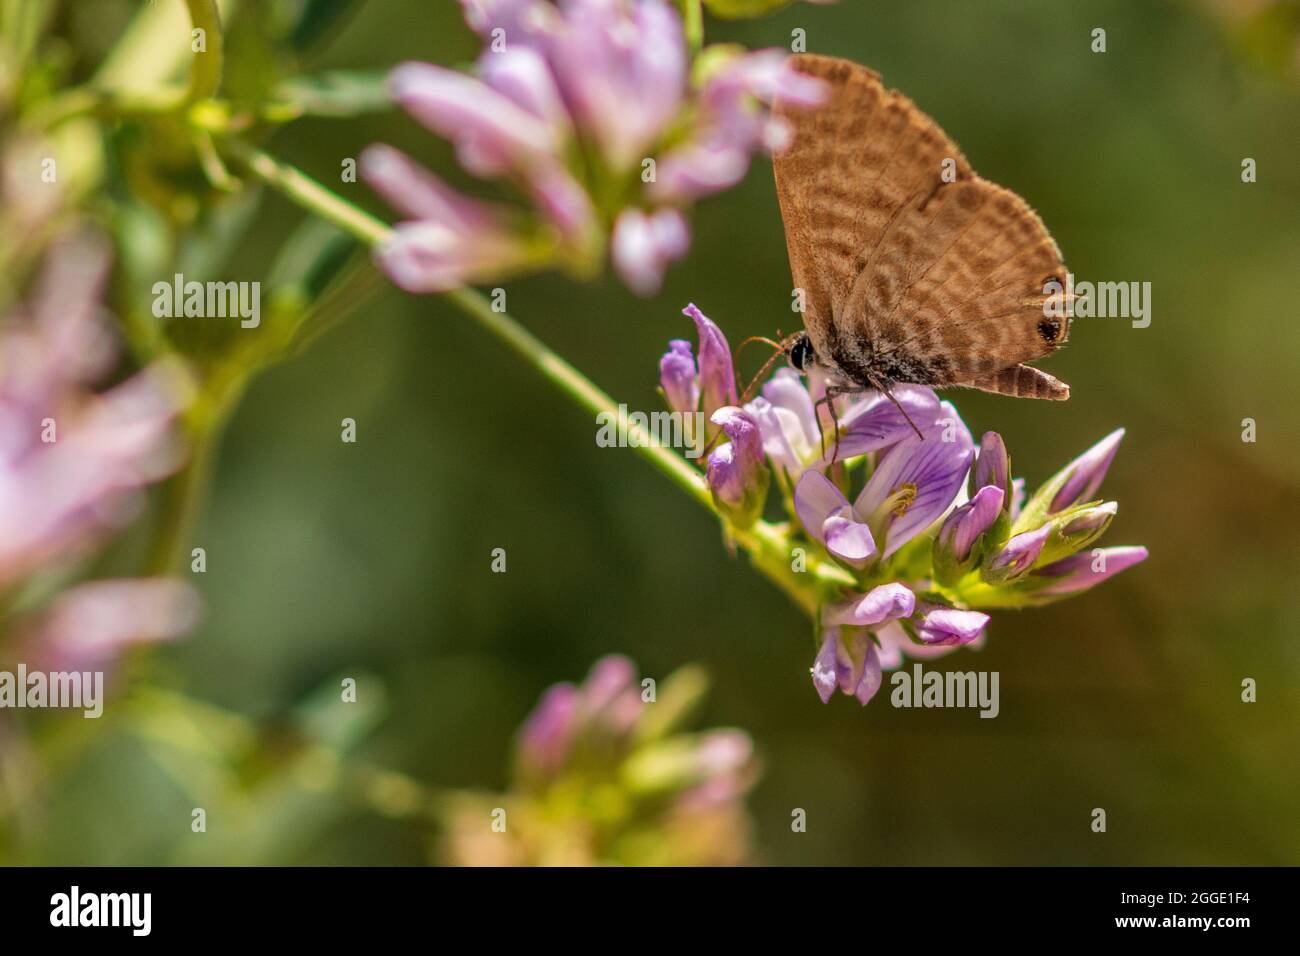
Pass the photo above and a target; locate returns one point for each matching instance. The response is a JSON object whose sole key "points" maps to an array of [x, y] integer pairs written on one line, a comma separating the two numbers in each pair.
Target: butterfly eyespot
{"points": [[1049, 329]]}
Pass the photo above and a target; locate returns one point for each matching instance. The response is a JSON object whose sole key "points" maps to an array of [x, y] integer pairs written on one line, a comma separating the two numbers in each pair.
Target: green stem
{"points": [[694, 10], [185, 494], [766, 544], [205, 71], [309, 194]]}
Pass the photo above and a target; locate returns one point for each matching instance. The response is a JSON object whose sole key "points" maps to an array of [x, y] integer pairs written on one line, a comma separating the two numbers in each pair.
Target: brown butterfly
{"points": [[913, 268]]}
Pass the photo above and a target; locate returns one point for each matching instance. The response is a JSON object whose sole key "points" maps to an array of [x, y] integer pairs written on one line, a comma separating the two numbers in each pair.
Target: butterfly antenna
{"points": [[884, 389], [778, 351]]}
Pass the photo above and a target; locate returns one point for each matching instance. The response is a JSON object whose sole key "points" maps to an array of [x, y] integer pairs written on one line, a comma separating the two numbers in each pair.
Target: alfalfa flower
{"points": [[736, 473], [795, 440], [912, 487], [604, 776], [704, 384], [73, 462], [594, 112], [1049, 553], [908, 564]]}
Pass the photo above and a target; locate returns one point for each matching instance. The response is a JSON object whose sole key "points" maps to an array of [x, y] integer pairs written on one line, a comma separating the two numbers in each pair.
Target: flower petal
{"points": [[887, 602], [87, 627], [815, 499], [872, 677], [876, 422], [993, 466], [848, 540], [1017, 556], [1088, 569], [949, 627], [493, 134], [427, 256], [963, 527], [643, 245], [717, 375], [825, 669], [934, 467], [678, 379], [418, 194], [1086, 472]]}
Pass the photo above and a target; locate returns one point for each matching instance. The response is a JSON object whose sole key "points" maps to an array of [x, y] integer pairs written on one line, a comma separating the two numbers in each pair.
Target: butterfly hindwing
{"points": [[913, 267]]}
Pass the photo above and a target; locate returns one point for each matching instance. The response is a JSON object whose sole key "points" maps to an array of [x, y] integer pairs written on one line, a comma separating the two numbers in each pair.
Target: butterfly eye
{"points": [[801, 353], [1049, 329]]}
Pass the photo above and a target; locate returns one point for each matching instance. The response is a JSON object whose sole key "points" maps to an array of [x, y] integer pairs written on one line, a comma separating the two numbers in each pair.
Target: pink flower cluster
{"points": [[595, 112]]}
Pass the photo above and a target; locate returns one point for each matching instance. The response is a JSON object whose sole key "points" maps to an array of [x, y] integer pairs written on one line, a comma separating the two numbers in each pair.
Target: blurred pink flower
{"points": [[588, 107], [73, 461], [87, 627]]}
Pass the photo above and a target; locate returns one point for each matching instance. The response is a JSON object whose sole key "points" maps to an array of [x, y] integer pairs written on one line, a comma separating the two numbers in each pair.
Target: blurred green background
{"points": [[372, 560]]}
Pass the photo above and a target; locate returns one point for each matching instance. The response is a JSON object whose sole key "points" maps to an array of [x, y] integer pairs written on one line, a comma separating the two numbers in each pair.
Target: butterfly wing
{"points": [[914, 269]]}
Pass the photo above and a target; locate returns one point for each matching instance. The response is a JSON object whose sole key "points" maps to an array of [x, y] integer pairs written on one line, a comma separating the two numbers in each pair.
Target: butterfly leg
{"points": [[828, 399]]}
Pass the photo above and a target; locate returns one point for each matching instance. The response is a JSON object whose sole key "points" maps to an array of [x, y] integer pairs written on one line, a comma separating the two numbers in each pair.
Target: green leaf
{"points": [[310, 259]]}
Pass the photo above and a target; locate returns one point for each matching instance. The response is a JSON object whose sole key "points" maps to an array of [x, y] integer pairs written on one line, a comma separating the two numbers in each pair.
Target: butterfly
{"points": [[912, 268]]}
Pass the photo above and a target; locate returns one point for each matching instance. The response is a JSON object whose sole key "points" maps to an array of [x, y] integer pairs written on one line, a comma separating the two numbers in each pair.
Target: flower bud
{"points": [[1017, 557], [1087, 569], [993, 467], [737, 475], [717, 377], [962, 529], [677, 378]]}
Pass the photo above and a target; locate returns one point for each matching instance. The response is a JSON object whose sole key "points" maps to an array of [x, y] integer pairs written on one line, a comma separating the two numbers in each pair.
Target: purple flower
{"points": [[880, 605], [1085, 570], [643, 244], [89, 626], [910, 489], [734, 124], [993, 467], [850, 661], [72, 462], [963, 527], [494, 134], [717, 375], [938, 625], [785, 416], [679, 378], [793, 438], [623, 70], [875, 422], [828, 517], [1082, 477], [450, 239], [1017, 556], [548, 731], [737, 475], [849, 658], [895, 645], [586, 108]]}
